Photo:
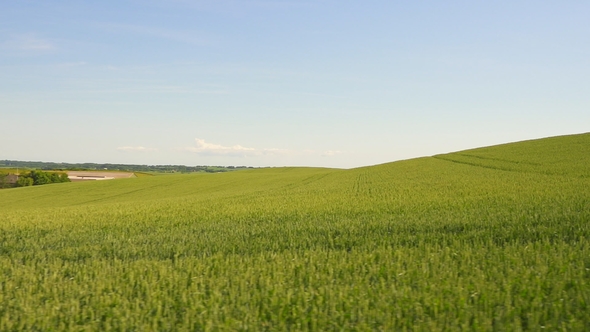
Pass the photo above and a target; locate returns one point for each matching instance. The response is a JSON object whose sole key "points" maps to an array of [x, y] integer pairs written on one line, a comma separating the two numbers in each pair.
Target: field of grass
{"points": [[6, 170], [491, 239], [142, 174]]}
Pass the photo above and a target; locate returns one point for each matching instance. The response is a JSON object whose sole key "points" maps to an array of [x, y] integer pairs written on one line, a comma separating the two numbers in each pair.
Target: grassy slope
{"points": [[491, 238], [564, 155]]}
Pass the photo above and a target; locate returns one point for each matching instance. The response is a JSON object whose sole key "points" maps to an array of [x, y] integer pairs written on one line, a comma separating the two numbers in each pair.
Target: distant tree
{"points": [[53, 178], [120, 167], [64, 177], [40, 178], [59, 177], [24, 181], [3, 183]]}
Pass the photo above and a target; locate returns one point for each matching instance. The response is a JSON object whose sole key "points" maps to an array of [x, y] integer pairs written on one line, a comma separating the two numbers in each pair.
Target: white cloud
{"points": [[204, 148], [233, 5], [188, 37], [331, 153], [136, 149], [72, 64], [327, 153], [29, 42]]}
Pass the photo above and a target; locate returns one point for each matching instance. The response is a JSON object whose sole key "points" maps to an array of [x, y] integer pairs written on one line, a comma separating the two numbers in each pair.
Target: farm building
{"points": [[8, 180], [11, 179], [89, 177], [76, 176]]}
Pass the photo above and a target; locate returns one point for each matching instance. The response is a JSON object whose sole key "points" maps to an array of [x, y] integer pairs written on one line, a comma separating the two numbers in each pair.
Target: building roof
{"points": [[11, 178]]}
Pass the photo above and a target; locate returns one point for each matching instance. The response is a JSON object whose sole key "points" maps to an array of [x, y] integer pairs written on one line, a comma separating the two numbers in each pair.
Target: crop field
{"points": [[490, 239]]}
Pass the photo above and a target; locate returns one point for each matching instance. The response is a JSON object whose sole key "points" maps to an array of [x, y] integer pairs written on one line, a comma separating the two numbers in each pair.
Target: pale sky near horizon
{"points": [[286, 83]]}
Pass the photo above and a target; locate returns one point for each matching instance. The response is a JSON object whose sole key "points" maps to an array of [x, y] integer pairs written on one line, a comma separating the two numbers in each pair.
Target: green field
{"points": [[491, 239], [11, 170]]}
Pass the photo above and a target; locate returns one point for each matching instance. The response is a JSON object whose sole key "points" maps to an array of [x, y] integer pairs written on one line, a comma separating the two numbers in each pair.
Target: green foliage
{"points": [[24, 181], [40, 178], [120, 167], [37, 178], [3, 181], [428, 244]]}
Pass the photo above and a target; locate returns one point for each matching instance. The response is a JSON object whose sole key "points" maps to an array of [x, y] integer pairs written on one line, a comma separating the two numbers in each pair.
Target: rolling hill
{"points": [[495, 238]]}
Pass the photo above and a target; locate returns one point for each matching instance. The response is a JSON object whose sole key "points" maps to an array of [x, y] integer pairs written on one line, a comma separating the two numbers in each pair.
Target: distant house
{"points": [[11, 179], [8, 181], [74, 178]]}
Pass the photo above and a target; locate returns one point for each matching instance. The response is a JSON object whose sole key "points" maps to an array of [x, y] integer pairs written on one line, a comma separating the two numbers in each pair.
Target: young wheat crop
{"points": [[489, 239]]}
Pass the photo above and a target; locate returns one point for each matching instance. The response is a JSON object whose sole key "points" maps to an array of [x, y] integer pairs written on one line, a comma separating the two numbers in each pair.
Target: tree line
{"points": [[35, 178], [118, 167]]}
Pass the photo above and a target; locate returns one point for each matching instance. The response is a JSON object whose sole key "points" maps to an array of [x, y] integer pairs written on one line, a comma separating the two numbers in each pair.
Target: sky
{"points": [[286, 83]]}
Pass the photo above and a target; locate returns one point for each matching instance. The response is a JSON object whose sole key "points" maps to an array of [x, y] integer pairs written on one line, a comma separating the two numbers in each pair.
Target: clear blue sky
{"points": [[275, 83]]}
